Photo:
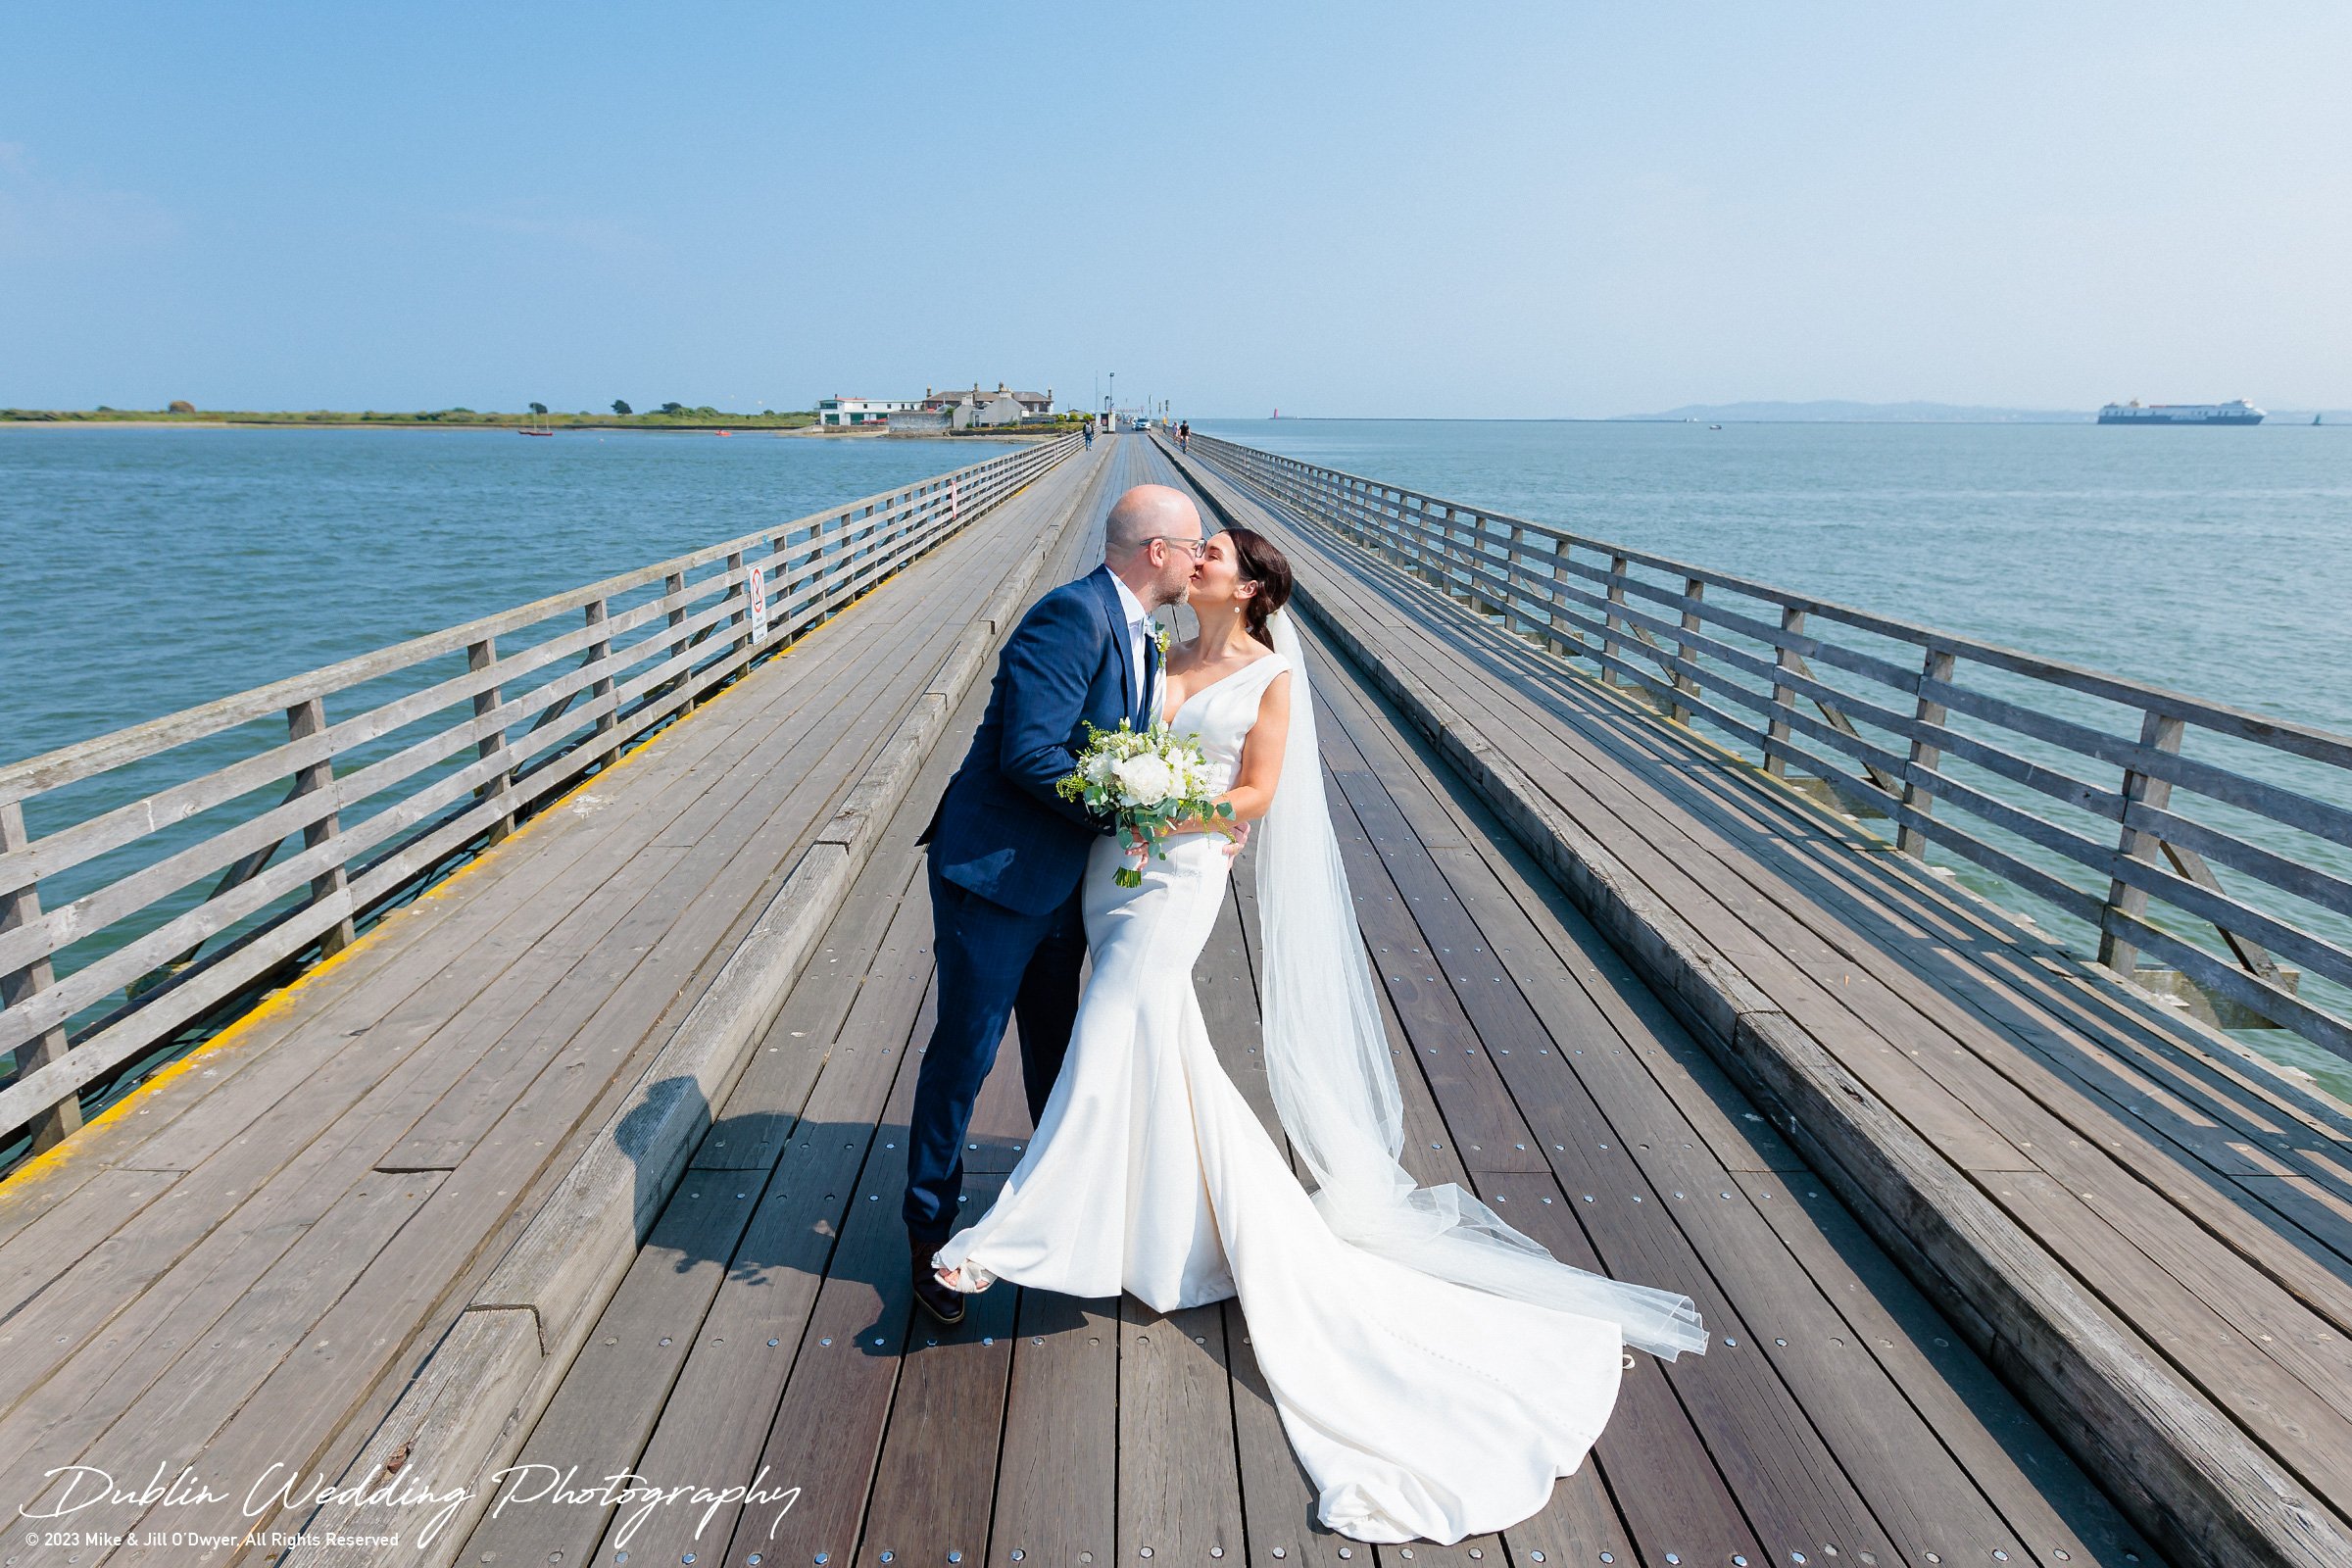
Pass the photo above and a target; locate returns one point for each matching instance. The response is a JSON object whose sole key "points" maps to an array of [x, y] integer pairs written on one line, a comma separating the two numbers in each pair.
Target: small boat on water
{"points": [[541, 428]]}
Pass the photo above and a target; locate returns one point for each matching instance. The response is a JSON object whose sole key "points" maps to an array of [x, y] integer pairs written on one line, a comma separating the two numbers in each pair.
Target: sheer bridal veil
{"points": [[1334, 1087]]}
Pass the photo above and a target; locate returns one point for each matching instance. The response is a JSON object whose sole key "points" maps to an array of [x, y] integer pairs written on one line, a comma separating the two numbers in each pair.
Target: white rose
{"points": [[1144, 780], [1100, 769]]}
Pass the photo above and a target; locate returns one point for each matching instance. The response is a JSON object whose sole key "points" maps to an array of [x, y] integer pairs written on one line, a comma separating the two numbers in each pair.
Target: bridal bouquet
{"points": [[1146, 779]]}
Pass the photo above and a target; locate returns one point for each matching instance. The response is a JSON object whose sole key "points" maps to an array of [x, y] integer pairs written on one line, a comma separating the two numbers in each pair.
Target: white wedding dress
{"points": [[1434, 1370]]}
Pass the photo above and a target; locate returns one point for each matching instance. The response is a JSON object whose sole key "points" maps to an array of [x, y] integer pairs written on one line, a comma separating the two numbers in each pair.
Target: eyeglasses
{"points": [[1199, 547]]}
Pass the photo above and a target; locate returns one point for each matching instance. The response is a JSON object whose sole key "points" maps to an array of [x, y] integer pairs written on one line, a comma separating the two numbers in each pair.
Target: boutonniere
{"points": [[1162, 637]]}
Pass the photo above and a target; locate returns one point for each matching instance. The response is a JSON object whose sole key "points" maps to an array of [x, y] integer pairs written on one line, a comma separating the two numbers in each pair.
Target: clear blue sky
{"points": [[1359, 209]]}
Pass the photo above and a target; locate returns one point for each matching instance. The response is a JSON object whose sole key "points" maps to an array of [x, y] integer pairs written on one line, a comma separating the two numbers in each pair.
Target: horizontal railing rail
{"points": [[152, 878], [2109, 801]]}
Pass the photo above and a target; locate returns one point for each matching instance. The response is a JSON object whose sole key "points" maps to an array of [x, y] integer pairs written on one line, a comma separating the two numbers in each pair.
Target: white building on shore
{"points": [[838, 410], [1004, 406], [954, 407]]}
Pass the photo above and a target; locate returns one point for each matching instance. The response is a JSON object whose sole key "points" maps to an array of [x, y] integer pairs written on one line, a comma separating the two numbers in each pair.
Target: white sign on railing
{"points": [[758, 592]]}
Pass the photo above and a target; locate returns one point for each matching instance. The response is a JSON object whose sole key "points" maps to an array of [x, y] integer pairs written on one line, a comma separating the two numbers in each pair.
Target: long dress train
{"points": [[1420, 1407]]}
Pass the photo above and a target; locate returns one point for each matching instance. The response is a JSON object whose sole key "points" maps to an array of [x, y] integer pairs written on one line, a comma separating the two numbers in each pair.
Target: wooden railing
{"points": [[311, 804], [2109, 801]]}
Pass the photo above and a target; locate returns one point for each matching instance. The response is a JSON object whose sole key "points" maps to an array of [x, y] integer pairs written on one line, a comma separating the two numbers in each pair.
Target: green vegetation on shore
{"points": [[669, 416]]}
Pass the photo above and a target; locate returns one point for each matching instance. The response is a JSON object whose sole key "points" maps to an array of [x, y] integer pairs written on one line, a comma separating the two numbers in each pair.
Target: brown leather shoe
{"points": [[932, 1297]]}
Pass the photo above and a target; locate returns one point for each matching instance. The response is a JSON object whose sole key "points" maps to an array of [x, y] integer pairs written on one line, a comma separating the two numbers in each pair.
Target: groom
{"points": [[1007, 853]]}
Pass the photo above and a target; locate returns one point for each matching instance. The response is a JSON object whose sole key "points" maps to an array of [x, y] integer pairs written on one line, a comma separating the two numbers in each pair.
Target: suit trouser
{"points": [[995, 964]]}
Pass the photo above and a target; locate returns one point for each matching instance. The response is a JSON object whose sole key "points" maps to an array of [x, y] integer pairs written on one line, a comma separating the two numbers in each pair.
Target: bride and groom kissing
{"points": [[1434, 1369]]}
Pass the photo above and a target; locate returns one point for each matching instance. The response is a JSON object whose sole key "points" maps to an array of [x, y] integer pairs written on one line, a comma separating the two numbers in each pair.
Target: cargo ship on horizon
{"points": [[2237, 412]]}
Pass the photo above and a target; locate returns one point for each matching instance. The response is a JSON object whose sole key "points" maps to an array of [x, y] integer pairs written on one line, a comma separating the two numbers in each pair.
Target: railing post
{"points": [[303, 721], [23, 907], [1425, 545], [1783, 697], [828, 571], [2117, 951], [1458, 556], [1514, 619], [601, 687], [779, 578], [480, 656], [671, 587], [1609, 645], [1687, 652], [1924, 757], [735, 592], [1572, 645]]}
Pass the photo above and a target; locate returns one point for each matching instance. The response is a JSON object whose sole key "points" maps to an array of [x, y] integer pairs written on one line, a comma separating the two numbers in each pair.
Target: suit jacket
{"points": [[1000, 830]]}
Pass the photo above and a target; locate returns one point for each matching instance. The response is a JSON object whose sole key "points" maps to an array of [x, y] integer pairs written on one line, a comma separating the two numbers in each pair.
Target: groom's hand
{"points": [[1240, 835]]}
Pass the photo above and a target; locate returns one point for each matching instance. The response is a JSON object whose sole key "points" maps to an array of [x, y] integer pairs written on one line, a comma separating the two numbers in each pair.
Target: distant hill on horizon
{"points": [[1834, 411]]}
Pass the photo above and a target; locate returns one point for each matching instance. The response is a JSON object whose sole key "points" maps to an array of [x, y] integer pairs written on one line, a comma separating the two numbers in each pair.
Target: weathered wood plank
{"points": [[176, 1421], [1058, 1479], [935, 1480], [597, 1425], [699, 887], [760, 1112], [2037, 1487], [826, 1430], [1179, 1489]]}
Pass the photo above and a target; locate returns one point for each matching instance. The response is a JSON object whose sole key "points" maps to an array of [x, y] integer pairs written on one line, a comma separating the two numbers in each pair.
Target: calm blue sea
{"points": [[146, 570], [2214, 561]]}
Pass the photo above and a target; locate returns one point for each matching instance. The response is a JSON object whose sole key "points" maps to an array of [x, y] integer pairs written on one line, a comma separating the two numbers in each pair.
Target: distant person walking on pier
{"points": [[1434, 1370], [1184, 436], [1087, 430]]}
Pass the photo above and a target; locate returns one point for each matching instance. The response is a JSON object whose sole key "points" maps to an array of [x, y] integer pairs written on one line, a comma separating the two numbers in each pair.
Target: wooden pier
{"points": [[585, 1163]]}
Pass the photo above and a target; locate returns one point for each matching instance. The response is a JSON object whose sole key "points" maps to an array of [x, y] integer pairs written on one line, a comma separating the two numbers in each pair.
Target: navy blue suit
{"points": [[1007, 859]]}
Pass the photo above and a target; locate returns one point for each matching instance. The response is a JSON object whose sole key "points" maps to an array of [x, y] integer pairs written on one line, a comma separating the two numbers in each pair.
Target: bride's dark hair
{"points": [[1263, 565]]}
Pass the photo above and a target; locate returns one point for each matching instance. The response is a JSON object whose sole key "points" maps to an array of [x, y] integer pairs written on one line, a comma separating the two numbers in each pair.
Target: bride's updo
{"points": [[1263, 565]]}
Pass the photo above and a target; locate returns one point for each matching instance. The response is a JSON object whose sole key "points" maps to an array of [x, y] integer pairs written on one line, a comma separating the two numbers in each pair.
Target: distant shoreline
{"points": [[794, 424], [427, 419]]}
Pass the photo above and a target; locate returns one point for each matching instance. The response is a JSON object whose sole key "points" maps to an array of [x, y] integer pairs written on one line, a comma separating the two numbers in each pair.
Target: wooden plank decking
{"points": [[766, 1338], [245, 1260]]}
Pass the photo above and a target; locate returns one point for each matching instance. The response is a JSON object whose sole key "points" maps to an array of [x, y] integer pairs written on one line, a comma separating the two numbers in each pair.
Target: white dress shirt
{"points": [[1139, 627]]}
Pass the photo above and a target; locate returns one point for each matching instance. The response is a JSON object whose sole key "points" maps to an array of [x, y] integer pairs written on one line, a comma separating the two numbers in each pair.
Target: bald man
{"points": [[1007, 853]]}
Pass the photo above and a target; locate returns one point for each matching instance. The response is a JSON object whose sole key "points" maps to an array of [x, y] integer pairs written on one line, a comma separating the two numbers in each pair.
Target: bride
{"points": [[1434, 1369]]}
